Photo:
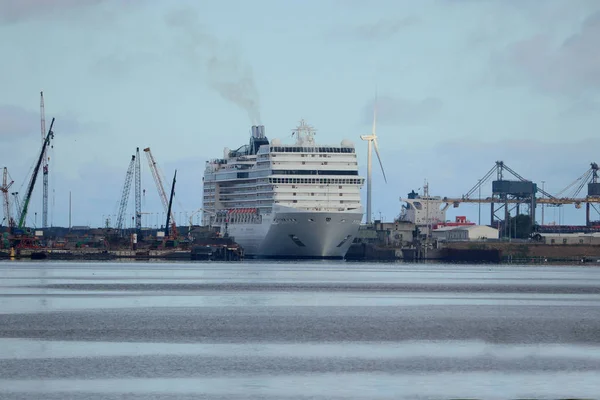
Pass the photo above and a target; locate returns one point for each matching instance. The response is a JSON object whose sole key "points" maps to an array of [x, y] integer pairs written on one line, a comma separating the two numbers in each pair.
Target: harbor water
{"points": [[297, 330]]}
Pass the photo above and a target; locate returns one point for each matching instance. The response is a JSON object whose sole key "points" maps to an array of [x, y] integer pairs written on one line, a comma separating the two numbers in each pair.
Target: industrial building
{"points": [[466, 232]]}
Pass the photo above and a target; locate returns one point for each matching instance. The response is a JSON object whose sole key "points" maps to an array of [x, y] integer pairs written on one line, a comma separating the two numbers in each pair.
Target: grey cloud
{"points": [[18, 123], [12, 11], [227, 73], [374, 31], [572, 68], [397, 111], [383, 29]]}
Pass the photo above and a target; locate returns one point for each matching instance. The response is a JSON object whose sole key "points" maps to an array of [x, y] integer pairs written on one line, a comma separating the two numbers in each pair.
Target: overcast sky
{"points": [[461, 84]]}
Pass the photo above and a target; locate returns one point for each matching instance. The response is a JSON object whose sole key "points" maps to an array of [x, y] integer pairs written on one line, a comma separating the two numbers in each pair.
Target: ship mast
{"points": [[305, 134]]}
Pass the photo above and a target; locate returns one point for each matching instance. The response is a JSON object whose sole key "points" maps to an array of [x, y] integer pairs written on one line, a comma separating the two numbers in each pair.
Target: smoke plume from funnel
{"points": [[226, 72]]}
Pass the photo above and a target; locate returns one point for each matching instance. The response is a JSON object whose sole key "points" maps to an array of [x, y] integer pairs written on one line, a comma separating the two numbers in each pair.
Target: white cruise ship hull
{"points": [[294, 233]]}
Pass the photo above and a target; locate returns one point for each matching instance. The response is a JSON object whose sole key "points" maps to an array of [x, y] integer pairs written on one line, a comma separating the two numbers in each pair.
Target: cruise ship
{"points": [[279, 200]]}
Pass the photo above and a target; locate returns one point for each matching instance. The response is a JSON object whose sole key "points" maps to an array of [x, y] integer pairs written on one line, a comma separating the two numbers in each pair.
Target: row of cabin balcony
{"points": [[244, 191], [245, 198], [315, 164], [309, 149], [240, 185], [317, 181], [317, 195], [331, 156], [312, 189]]}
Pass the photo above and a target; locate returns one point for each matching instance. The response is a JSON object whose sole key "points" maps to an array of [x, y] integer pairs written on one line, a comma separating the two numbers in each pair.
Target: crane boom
{"points": [[161, 189], [174, 231], [17, 203], [159, 185], [125, 194], [36, 170]]}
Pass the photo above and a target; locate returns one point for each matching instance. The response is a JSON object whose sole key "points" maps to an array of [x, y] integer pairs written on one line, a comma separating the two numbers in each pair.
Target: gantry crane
{"points": [[6, 184], [161, 190], [23, 213], [569, 195]]}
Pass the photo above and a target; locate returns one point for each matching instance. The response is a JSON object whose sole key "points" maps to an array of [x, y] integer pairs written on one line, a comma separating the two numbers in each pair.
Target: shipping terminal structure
{"points": [[278, 200]]}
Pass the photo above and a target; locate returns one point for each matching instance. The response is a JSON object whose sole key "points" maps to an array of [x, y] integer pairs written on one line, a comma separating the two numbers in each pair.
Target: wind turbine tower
{"points": [[372, 142]]}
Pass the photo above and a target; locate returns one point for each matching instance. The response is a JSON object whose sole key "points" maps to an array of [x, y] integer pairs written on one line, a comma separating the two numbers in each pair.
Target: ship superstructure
{"points": [[423, 210], [286, 200]]}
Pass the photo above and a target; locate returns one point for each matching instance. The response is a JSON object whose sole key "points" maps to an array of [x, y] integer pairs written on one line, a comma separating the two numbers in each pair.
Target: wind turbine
{"points": [[372, 142]]}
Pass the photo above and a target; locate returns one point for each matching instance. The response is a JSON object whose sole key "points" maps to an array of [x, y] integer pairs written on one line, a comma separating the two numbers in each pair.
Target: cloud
{"points": [[227, 73], [572, 67], [375, 31], [397, 111], [16, 122], [19, 123], [12, 11]]}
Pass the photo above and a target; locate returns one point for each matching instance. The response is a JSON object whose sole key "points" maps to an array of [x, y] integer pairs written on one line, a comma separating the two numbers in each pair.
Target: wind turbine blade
{"points": [[379, 158]]}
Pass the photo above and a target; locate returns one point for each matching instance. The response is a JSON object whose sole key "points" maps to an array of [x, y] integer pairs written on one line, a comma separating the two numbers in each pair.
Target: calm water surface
{"points": [[310, 330]]}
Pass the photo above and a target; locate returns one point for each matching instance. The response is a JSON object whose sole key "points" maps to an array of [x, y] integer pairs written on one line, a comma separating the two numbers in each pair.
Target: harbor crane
{"points": [[45, 160], [125, 193], [523, 191], [27, 199], [6, 184], [138, 192], [161, 191], [133, 173], [169, 209]]}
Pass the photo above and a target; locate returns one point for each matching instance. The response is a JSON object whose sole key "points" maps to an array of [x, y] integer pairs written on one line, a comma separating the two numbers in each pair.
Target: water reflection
{"points": [[297, 330]]}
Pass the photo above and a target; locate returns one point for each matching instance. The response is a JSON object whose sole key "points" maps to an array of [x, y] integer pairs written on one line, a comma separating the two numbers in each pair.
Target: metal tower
{"points": [[6, 184], [44, 163], [125, 194], [138, 192]]}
